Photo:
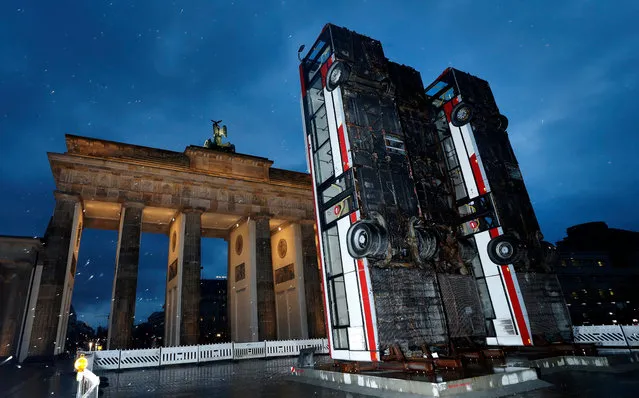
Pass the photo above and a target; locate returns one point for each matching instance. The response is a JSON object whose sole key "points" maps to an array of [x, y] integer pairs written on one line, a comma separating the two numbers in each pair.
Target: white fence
{"points": [[128, 359], [608, 335]]}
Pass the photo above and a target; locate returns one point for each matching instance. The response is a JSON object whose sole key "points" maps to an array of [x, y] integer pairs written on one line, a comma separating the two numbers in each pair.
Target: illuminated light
{"points": [[237, 225], [80, 363], [279, 228], [218, 335]]}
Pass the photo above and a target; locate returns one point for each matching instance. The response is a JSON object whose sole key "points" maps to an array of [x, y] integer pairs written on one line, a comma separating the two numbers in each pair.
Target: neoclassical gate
{"points": [[264, 213]]}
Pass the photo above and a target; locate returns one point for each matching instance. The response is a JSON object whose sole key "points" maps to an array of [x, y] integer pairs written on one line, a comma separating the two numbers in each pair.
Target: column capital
{"points": [[137, 205], [66, 196], [198, 210], [261, 216]]}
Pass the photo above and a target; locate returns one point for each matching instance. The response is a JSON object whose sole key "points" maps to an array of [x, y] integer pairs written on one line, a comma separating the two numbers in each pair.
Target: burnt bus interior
{"points": [[406, 182]]}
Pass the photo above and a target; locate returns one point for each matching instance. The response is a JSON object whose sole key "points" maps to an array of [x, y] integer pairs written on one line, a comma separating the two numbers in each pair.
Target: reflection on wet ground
{"points": [[257, 378]]}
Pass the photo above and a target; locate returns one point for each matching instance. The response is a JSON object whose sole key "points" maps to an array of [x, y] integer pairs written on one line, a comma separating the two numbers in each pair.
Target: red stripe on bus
{"points": [[514, 300], [479, 179], [324, 70], [342, 147], [318, 250], [353, 217], [448, 108], [368, 319], [302, 81], [494, 232]]}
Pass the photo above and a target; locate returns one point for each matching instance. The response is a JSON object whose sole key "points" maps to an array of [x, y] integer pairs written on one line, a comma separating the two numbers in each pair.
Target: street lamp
{"points": [[90, 345]]}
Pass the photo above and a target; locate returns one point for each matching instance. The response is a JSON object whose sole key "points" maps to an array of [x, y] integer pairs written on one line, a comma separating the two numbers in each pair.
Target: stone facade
{"points": [[18, 259], [191, 194]]}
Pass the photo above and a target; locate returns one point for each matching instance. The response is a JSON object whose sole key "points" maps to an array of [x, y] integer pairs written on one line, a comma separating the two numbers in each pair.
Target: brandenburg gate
{"points": [[265, 214]]}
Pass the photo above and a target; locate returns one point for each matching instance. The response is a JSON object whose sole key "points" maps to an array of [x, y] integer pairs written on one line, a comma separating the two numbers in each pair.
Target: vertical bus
{"points": [[372, 243], [520, 294]]}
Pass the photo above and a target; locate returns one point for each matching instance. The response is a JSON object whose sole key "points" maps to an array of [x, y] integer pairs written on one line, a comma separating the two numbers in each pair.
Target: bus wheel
{"points": [[504, 249], [426, 244], [366, 239], [461, 114], [337, 74], [502, 122]]}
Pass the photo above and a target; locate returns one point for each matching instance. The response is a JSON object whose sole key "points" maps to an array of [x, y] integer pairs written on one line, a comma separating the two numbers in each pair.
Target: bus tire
{"points": [[502, 122], [337, 75], [426, 244], [504, 249], [366, 238], [461, 114]]}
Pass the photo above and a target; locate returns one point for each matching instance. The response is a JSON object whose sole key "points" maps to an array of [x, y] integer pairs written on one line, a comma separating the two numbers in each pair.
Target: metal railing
{"points": [[165, 356]]}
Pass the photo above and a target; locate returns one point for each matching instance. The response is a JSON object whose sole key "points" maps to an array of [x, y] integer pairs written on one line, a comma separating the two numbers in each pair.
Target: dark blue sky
{"points": [[154, 72]]}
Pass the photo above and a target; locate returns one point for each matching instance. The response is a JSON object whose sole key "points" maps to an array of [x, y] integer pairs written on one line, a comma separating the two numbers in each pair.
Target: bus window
{"points": [[324, 163], [340, 185], [319, 129], [339, 210], [450, 153], [315, 96], [458, 184], [332, 255]]}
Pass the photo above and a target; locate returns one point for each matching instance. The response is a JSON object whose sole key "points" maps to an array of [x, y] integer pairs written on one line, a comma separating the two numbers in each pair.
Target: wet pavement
{"points": [[257, 378]]}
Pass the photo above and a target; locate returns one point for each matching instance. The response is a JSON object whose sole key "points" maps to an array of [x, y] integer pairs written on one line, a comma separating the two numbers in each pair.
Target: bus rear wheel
{"points": [[337, 74], [461, 114], [366, 239], [505, 249]]}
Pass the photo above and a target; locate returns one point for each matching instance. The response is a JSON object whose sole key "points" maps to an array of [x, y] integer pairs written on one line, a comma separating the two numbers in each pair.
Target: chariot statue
{"points": [[218, 133]]}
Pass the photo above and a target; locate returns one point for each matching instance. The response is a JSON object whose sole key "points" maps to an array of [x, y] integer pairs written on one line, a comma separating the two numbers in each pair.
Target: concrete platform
{"points": [[518, 376], [506, 382]]}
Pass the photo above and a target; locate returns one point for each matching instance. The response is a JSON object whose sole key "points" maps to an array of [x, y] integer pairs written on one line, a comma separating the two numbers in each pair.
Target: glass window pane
{"points": [[339, 210], [323, 163], [315, 95], [320, 126], [458, 183], [340, 338], [442, 126], [449, 153], [332, 255], [341, 308], [340, 185]]}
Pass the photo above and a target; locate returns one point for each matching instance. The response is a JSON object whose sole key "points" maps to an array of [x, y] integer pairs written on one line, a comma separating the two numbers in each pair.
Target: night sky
{"points": [[154, 72]]}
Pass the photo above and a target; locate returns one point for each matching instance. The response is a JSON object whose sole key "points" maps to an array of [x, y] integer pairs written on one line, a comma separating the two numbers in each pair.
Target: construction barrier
{"points": [[166, 356]]}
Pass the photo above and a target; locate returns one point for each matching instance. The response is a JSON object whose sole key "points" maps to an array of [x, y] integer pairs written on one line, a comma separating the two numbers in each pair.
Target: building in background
{"points": [[599, 274], [213, 311]]}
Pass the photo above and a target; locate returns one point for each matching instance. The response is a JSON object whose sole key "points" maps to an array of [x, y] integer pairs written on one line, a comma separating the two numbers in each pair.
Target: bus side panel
{"points": [[320, 255], [506, 306]]}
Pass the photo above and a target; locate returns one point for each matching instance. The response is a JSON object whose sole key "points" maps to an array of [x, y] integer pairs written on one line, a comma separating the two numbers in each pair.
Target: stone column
{"points": [[125, 280], [190, 314], [312, 285], [266, 321], [56, 264]]}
